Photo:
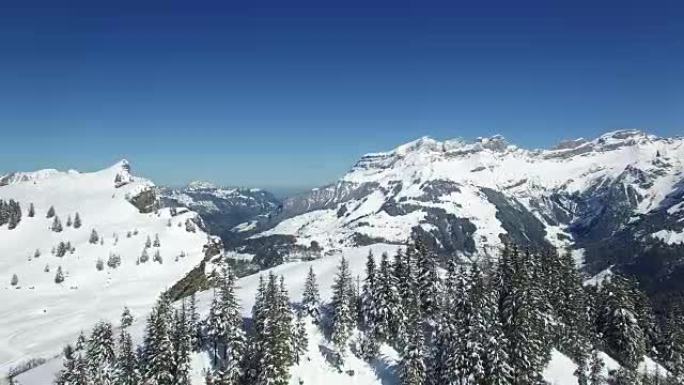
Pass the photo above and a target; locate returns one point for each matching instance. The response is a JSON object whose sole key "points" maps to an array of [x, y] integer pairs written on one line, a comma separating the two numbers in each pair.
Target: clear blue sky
{"points": [[291, 93]]}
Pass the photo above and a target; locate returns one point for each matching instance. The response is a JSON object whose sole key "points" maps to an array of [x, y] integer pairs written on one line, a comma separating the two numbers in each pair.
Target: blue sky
{"points": [[290, 94]]}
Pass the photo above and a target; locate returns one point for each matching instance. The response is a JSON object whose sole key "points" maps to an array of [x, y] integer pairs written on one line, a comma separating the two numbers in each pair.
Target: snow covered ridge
{"points": [[17, 177], [466, 196], [86, 244]]}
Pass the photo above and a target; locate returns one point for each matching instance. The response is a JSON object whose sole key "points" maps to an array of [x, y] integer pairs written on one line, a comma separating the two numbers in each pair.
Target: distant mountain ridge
{"points": [[223, 208], [610, 200]]}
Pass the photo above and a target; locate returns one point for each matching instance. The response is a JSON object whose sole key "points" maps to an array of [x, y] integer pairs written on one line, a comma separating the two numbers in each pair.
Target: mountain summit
{"points": [[608, 200], [83, 246]]}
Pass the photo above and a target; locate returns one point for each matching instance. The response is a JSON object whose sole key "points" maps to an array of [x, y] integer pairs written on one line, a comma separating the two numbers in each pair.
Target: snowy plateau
{"points": [[461, 198]]}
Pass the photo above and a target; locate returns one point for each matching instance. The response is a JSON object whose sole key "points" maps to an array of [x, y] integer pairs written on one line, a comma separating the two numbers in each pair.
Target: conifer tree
{"points": [[224, 324], [487, 360], [65, 376], [56, 225], [182, 348], [68, 222], [443, 333], [285, 319], [272, 338], [521, 317], [388, 301], [14, 214], [50, 213], [596, 369], [101, 355], [214, 325], [311, 300], [622, 333], [301, 339], [368, 296], [158, 349], [193, 322], [343, 318], [77, 221], [451, 359], [15, 280], [157, 257], [428, 281], [156, 241], [497, 371], [401, 270], [75, 370], [126, 370], [369, 311], [126, 367], [413, 368], [94, 238], [126, 318], [646, 319], [31, 211], [59, 276], [673, 347], [148, 242], [256, 341], [566, 292]]}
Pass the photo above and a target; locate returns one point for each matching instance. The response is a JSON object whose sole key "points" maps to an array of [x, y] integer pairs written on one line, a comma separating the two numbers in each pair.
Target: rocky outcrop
{"points": [[145, 201]]}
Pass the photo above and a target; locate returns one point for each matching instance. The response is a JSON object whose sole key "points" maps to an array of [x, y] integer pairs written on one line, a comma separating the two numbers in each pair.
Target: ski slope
{"points": [[39, 316]]}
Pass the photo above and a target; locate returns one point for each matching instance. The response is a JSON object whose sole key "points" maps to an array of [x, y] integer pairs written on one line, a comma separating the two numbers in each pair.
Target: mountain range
{"points": [[615, 203]]}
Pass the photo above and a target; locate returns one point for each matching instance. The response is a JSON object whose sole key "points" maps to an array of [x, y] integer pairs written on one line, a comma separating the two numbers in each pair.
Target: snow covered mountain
{"points": [[228, 212], [462, 198], [83, 245], [467, 197]]}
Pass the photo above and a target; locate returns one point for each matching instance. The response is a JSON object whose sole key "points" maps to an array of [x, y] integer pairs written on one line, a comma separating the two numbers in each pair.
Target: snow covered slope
{"points": [[314, 369], [38, 315], [465, 197]]}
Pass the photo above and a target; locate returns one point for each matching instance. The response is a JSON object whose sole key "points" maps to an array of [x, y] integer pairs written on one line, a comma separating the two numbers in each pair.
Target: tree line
{"points": [[486, 323]]}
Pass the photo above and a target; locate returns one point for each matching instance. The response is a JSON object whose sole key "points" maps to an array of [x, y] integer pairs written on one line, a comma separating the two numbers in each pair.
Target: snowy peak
{"points": [[426, 145], [121, 168], [201, 185], [498, 143], [468, 196], [33, 176], [96, 235]]}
